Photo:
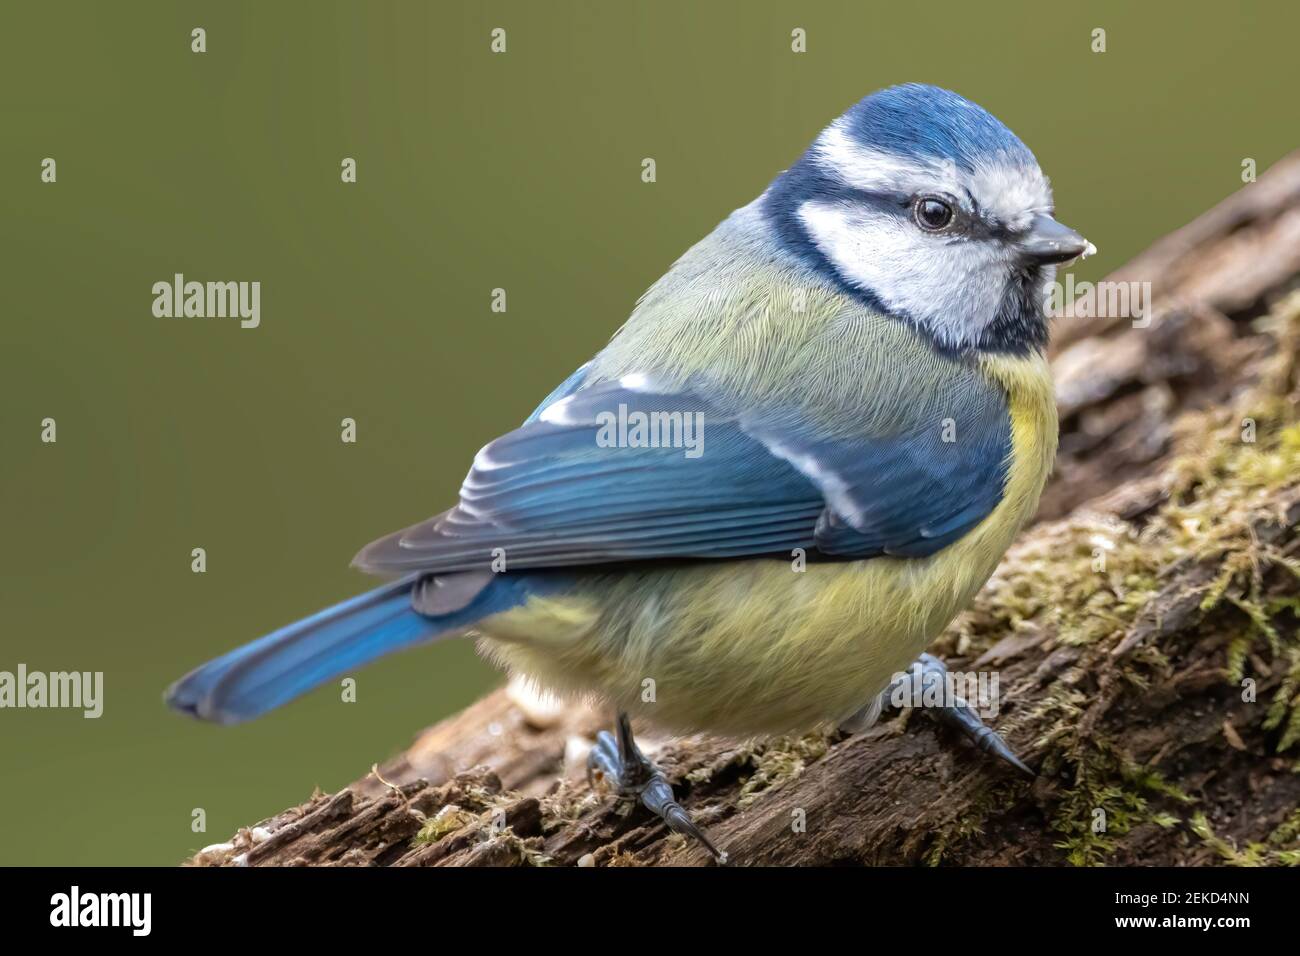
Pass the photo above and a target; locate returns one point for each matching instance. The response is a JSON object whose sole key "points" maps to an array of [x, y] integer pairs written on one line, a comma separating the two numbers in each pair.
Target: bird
{"points": [[797, 461]]}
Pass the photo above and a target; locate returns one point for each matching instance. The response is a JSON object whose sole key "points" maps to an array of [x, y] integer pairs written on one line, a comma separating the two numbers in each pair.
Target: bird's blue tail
{"points": [[271, 671]]}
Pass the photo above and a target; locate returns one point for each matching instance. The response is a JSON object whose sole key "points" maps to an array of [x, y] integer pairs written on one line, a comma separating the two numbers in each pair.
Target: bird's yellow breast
{"points": [[765, 645]]}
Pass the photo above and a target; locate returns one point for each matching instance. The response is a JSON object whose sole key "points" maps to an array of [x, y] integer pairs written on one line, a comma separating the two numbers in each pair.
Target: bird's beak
{"points": [[1046, 241]]}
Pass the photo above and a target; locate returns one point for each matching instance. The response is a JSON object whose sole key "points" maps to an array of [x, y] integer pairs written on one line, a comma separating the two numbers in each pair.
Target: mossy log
{"points": [[1145, 633]]}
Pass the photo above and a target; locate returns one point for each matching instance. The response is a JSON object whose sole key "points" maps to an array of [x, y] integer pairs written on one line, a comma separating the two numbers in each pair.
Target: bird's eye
{"points": [[931, 214]]}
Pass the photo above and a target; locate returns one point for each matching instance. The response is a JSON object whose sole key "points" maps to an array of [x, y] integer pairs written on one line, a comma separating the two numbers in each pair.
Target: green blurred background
{"points": [[476, 171]]}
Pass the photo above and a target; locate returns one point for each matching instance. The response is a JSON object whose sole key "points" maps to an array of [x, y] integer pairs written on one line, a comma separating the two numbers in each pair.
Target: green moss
{"points": [[781, 760], [447, 820], [987, 802], [1110, 796], [482, 809], [453, 819], [1085, 580], [1280, 848], [565, 804], [1284, 709], [529, 852]]}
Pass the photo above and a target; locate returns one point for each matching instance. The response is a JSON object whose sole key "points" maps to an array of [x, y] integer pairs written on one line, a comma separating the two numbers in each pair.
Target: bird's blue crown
{"points": [[926, 122]]}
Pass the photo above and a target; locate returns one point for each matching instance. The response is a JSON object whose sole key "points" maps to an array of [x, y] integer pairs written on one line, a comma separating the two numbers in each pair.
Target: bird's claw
{"points": [[619, 762], [955, 712]]}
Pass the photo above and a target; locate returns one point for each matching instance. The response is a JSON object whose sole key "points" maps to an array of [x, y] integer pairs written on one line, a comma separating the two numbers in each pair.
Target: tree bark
{"points": [[1143, 633]]}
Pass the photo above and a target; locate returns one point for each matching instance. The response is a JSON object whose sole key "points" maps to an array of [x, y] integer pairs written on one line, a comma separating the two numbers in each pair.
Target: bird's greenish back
{"points": [[762, 329]]}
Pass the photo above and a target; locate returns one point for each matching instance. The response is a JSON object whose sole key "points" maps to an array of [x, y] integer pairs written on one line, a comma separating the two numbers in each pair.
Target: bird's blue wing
{"points": [[913, 491], [578, 484], [563, 390], [565, 489]]}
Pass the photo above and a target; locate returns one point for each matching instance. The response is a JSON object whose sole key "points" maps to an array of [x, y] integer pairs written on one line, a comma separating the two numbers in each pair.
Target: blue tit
{"points": [[802, 455]]}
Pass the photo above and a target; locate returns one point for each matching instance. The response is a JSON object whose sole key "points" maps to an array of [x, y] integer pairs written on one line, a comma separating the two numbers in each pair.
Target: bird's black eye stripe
{"points": [[932, 213], [884, 200]]}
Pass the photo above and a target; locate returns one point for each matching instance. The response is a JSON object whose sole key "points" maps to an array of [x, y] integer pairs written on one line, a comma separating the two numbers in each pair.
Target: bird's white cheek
{"points": [[881, 253], [952, 287]]}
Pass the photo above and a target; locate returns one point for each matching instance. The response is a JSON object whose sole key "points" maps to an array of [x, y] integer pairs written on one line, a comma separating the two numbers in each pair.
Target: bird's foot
{"points": [[919, 683], [618, 761]]}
